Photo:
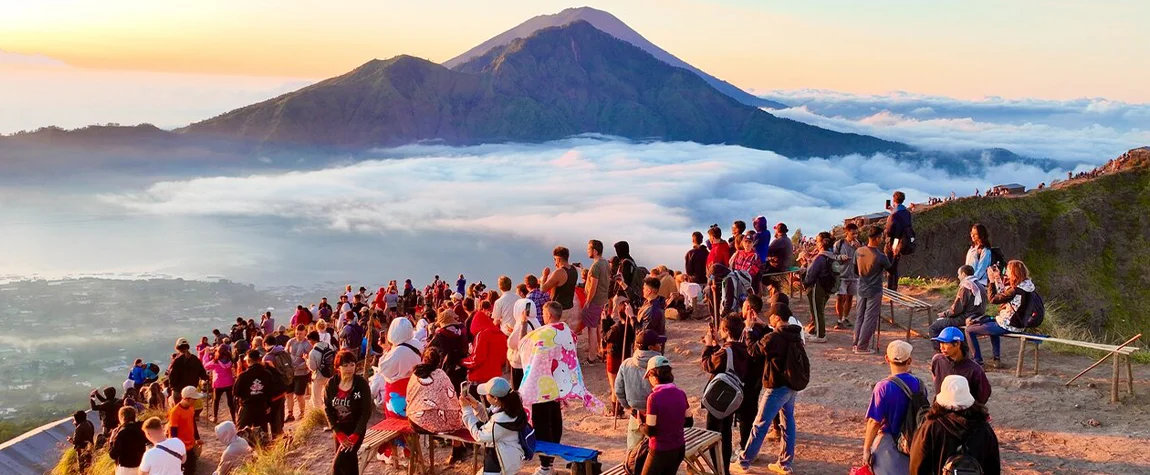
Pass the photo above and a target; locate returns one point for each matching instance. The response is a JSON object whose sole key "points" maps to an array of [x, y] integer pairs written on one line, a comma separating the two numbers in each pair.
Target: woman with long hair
{"points": [[1014, 293], [348, 408], [978, 256], [503, 455]]}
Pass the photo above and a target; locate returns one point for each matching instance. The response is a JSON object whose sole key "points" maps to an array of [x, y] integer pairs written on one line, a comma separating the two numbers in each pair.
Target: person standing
{"points": [[979, 257], [844, 252], [631, 386], [348, 407], [561, 284], [83, 438], [668, 412], [128, 443], [503, 312], [819, 279], [869, 264], [732, 358], [182, 425], [254, 388], [167, 453], [299, 347], [720, 252], [695, 262], [898, 233], [955, 420], [890, 404], [185, 370], [223, 379], [753, 330], [650, 316], [547, 417], [953, 360], [786, 373], [461, 285], [597, 290], [321, 363]]}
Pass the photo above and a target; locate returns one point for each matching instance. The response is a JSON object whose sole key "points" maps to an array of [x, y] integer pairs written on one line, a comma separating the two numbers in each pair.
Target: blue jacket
{"points": [[138, 375], [762, 241]]}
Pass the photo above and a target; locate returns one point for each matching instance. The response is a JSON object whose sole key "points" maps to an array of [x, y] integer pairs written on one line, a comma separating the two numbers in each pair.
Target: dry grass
{"points": [[275, 459], [946, 288], [102, 463]]}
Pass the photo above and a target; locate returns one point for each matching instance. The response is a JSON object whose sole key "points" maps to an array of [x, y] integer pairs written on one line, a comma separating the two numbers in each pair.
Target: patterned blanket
{"points": [[551, 369]]}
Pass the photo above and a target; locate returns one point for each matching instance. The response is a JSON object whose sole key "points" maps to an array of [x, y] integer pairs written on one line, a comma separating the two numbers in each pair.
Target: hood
{"points": [[1027, 285], [957, 422], [400, 331], [482, 321], [791, 332], [623, 250], [226, 433], [760, 225], [277, 349], [643, 356]]}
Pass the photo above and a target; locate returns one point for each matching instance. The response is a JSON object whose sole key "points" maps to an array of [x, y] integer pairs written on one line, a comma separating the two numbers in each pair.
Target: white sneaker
{"points": [[543, 471], [816, 339]]}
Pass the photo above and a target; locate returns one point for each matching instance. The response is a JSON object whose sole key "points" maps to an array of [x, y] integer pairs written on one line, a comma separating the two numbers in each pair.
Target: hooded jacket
{"points": [[502, 431], [523, 326], [108, 406], [451, 343], [938, 438], [964, 305], [185, 370], [762, 240], [405, 353], [774, 347], [650, 317], [489, 352], [714, 360], [128, 445], [236, 449], [223, 375], [631, 386], [1015, 301], [256, 386]]}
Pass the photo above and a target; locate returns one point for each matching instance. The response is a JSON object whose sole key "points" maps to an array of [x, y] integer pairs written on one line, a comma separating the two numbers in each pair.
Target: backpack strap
{"points": [[411, 347], [730, 361], [902, 385], [171, 452]]}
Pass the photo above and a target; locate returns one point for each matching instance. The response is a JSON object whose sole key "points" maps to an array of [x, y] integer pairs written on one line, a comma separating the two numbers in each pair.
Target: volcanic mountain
{"points": [[558, 82], [611, 25]]}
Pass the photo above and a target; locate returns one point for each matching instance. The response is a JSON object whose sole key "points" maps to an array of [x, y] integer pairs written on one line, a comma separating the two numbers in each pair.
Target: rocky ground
{"points": [[1043, 426]]}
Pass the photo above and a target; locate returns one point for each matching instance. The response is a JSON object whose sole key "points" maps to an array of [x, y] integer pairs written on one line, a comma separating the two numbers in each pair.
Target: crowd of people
{"points": [[505, 362]]}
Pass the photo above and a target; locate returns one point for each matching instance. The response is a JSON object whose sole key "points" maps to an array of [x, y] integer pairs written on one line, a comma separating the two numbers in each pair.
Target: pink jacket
{"points": [[222, 375]]}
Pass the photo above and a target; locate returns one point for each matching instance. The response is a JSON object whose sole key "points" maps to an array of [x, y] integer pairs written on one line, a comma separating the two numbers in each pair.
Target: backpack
{"points": [[907, 246], [326, 362], [997, 258], [740, 286], [798, 367], [635, 280], [526, 439], [1036, 312], [637, 457], [154, 368], [724, 393], [961, 463], [915, 414], [283, 364]]}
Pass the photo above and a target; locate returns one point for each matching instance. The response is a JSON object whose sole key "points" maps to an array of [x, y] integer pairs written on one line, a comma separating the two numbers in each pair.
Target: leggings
{"points": [[226, 392], [346, 463], [664, 462]]}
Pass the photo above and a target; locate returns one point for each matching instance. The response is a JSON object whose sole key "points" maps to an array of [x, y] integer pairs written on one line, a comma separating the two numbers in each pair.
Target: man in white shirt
{"points": [[503, 314], [168, 454]]}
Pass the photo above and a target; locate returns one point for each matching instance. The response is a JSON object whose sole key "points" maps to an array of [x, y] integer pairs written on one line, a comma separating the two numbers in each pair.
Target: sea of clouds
{"points": [[565, 192], [1088, 130]]}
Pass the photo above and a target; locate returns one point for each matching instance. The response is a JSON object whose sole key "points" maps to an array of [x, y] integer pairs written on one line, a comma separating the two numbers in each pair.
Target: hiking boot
{"points": [[779, 468]]}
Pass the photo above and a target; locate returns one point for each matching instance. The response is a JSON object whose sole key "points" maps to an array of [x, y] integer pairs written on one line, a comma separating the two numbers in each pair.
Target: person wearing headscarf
{"points": [[397, 364], [236, 449]]}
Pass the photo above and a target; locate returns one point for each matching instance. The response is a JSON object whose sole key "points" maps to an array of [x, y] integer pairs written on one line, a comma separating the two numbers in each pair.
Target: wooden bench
{"points": [[1120, 352], [372, 441], [620, 469], [703, 454], [912, 304]]}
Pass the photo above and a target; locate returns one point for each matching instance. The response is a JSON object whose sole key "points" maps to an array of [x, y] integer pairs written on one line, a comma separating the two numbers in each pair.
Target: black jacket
{"points": [[695, 265], [756, 361], [128, 445], [349, 415], [774, 347], [84, 435], [256, 387], [942, 432], [714, 360], [185, 370]]}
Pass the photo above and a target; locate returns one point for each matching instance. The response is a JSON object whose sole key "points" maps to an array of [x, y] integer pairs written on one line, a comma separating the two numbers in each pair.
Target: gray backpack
{"points": [[724, 394]]}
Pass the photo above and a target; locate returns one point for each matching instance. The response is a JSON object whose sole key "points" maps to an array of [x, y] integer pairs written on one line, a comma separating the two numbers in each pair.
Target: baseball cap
{"points": [[950, 335], [181, 342], [658, 362], [189, 392], [649, 338], [495, 387], [898, 351]]}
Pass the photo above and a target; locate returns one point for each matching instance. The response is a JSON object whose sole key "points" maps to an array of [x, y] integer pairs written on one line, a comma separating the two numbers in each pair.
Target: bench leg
{"points": [[1021, 355], [1036, 357], [430, 455], [1129, 376], [1114, 380]]}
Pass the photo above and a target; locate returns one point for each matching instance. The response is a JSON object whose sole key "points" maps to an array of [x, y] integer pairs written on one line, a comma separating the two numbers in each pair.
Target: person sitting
{"points": [[955, 420], [1015, 301], [432, 404], [969, 302], [502, 454], [236, 449]]}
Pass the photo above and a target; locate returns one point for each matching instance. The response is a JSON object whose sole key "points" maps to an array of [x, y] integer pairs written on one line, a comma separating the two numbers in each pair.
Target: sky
{"points": [[960, 49]]}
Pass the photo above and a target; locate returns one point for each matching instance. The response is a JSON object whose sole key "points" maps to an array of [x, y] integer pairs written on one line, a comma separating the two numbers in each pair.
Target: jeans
{"points": [[989, 328], [867, 321], [817, 298], [723, 427], [885, 457], [941, 324], [771, 401]]}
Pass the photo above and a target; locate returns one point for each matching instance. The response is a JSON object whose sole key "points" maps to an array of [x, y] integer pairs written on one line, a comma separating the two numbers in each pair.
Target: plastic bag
{"points": [[863, 470]]}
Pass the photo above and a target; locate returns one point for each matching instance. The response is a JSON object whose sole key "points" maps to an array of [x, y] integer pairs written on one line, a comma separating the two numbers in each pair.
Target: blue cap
{"points": [[950, 335], [497, 387]]}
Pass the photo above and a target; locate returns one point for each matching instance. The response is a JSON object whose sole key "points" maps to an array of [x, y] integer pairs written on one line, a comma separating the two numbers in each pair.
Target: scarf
{"points": [[971, 284]]}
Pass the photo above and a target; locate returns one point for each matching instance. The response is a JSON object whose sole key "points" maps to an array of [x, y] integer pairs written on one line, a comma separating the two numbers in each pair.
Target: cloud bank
{"points": [[1090, 130], [565, 192]]}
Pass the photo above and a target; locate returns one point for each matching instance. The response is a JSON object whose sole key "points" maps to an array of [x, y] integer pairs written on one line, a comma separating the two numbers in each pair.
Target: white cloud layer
{"points": [[566, 192], [1089, 130]]}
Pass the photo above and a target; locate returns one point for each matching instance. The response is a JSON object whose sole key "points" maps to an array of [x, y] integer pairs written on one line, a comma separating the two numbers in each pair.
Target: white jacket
{"points": [[399, 361], [505, 441], [523, 326]]}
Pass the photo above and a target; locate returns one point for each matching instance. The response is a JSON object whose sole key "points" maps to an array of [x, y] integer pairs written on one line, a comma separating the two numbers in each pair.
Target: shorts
{"points": [[849, 287], [592, 314], [300, 383], [613, 363]]}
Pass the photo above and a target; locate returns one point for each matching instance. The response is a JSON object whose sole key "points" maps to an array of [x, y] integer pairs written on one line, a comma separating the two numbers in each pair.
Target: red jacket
{"points": [[720, 254], [487, 357]]}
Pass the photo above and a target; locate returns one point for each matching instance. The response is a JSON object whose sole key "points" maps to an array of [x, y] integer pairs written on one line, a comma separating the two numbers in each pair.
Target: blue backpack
{"points": [[527, 441]]}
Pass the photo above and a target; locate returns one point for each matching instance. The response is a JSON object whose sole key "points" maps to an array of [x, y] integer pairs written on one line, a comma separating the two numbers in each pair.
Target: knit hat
{"points": [[954, 393]]}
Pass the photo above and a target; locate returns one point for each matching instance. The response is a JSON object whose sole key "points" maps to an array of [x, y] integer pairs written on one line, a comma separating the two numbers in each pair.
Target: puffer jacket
{"points": [[223, 375], [631, 386], [236, 449], [938, 438], [502, 431]]}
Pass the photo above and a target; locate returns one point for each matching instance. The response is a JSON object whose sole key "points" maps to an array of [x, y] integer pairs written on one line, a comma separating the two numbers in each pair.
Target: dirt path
{"points": [[1043, 427]]}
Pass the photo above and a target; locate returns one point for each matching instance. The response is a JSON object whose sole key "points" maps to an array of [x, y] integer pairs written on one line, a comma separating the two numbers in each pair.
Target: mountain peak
{"points": [[610, 24]]}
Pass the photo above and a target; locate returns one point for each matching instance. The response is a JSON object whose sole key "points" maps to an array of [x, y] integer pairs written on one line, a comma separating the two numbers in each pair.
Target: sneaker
{"points": [[839, 325], [995, 364], [740, 469], [847, 323], [779, 468], [543, 471], [818, 340], [862, 351]]}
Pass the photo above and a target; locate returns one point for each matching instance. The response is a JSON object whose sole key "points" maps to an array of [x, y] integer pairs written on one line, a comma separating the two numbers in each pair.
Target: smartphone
{"points": [[887, 204]]}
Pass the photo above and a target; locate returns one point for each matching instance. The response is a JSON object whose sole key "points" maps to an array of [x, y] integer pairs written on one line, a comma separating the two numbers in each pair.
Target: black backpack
{"points": [[961, 463], [1036, 312], [326, 362], [635, 280], [915, 413], [798, 367], [997, 258]]}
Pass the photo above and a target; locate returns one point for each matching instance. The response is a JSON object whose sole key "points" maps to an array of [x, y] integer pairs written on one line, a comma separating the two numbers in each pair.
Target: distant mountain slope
{"points": [[559, 82], [614, 27], [1086, 243]]}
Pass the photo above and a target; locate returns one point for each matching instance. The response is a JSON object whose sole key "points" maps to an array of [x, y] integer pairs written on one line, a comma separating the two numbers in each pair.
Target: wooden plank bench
{"points": [[1120, 352], [372, 441], [912, 304], [703, 454]]}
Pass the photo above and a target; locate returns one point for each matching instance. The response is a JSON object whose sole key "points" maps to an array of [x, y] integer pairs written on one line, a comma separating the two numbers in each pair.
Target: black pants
{"points": [[516, 377], [346, 463], [254, 416], [665, 462], [190, 463], [276, 417], [723, 427], [892, 273], [547, 420], [226, 392]]}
